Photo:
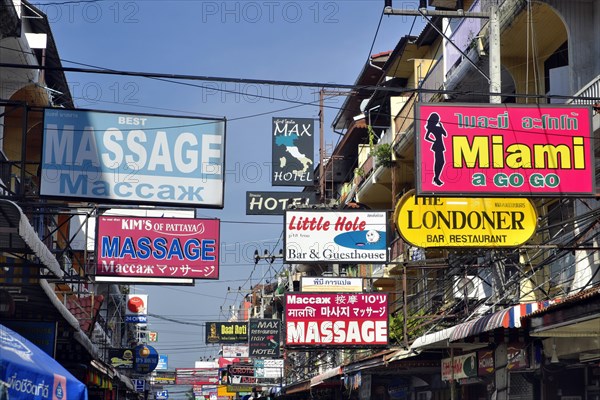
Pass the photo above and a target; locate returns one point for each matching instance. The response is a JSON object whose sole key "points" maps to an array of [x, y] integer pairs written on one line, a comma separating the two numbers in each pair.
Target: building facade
{"points": [[470, 321], [46, 293]]}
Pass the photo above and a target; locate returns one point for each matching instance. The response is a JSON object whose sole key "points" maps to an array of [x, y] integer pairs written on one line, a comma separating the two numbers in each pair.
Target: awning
{"points": [[434, 340], [113, 373], [330, 373], [27, 372], [373, 361], [575, 316], [508, 318], [18, 236], [298, 387], [400, 355]]}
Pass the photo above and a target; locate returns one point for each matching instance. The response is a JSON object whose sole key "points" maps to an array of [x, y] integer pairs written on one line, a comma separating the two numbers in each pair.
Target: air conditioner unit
{"points": [[469, 286]]}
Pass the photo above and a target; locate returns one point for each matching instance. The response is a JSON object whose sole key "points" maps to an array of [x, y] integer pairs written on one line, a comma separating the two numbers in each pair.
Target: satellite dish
{"points": [[363, 105]]}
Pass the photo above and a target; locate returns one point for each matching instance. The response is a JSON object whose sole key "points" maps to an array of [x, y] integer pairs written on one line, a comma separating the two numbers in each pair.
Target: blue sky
{"points": [[310, 41]]}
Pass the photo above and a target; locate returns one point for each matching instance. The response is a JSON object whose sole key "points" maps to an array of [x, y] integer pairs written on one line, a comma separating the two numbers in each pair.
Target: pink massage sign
{"points": [[504, 149], [143, 247]]}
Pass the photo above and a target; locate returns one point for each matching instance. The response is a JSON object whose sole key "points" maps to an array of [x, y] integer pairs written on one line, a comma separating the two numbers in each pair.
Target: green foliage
{"points": [[383, 154], [359, 171], [414, 328], [395, 329], [371, 136]]}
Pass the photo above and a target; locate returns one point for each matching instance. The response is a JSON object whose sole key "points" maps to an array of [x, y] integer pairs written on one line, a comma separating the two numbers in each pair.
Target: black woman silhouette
{"points": [[435, 134]]}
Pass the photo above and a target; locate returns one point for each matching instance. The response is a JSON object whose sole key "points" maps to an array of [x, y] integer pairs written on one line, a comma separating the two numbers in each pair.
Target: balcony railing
{"points": [[433, 81], [397, 249], [463, 36], [591, 91], [405, 118]]}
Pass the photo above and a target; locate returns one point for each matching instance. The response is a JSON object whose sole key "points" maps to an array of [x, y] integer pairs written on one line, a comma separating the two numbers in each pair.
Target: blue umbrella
{"points": [[27, 372]]}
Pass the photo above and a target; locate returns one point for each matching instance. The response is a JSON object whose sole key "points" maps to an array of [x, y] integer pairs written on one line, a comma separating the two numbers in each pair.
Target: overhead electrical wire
{"points": [[62, 3], [169, 77], [376, 33], [249, 279], [217, 89], [277, 82]]}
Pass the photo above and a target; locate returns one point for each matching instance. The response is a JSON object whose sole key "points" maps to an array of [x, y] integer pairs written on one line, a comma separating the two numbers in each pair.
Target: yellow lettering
{"points": [[498, 151], [470, 155], [578, 153], [551, 153], [519, 156]]}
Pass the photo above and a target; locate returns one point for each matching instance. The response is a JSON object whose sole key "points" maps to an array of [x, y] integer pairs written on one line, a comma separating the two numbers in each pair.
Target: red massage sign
{"points": [[342, 319], [508, 150]]}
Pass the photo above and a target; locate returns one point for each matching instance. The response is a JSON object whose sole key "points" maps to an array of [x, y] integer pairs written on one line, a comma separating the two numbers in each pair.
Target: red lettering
{"points": [[308, 224], [344, 224]]}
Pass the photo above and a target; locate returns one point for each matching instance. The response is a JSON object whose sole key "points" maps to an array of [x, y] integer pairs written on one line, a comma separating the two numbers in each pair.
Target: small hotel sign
{"points": [[331, 284]]}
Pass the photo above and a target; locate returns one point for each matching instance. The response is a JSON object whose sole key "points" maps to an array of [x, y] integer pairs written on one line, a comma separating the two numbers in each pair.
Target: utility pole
{"points": [[321, 145], [494, 77], [495, 86], [270, 258]]}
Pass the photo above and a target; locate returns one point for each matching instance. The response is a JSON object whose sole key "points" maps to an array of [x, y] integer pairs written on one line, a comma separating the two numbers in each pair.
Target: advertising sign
{"points": [[241, 388], [241, 369], [507, 150], [336, 236], [226, 332], [465, 222], [224, 362], [164, 377], [331, 284], [517, 356], [42, 334], [196, 376], [293, 152], [269, 368], [157, 247], [133, 158], [233, 351], [222, 391], [120, 358], [486, 365], [264, 336], [163, 362], [161, 395], [137, 309], [241, 374], [145, 359], [139, 385], [275, 203], [459, 367], [342, 319]]}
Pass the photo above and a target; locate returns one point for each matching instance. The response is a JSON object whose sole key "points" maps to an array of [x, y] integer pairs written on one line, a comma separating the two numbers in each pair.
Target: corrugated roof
{"points": [[368, 76], [580, 297]]}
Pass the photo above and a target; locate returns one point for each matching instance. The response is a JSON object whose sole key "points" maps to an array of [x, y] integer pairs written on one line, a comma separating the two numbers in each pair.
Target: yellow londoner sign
{"points": [[465, 222]]}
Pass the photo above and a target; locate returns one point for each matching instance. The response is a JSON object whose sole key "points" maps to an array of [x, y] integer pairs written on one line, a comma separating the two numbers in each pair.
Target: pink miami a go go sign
{"points": [[504, 149]]}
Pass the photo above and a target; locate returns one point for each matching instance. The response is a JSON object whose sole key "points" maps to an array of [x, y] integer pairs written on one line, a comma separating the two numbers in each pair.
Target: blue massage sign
{"points": [[137, 158]]}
